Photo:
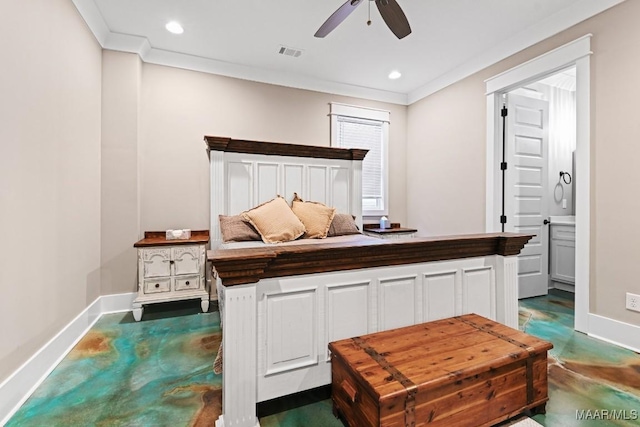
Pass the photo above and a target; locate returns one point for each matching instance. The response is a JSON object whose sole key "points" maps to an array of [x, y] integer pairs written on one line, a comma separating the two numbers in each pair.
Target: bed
{"points": [[281, 304]]}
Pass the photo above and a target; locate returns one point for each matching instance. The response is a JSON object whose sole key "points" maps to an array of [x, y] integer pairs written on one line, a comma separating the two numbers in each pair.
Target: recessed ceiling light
{"points": [[394, 75], [174, 27]]}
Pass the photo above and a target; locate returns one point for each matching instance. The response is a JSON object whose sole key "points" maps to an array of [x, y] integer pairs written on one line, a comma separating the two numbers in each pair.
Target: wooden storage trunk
{"points": [[462, 371]]}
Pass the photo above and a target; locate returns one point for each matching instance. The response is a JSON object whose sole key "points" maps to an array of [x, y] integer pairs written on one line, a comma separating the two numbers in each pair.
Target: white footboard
{"points": [[276, 331], [281, 306]]}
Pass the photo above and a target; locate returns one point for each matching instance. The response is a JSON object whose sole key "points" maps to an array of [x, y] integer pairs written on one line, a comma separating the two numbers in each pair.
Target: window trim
{"points": [[383, 116]]}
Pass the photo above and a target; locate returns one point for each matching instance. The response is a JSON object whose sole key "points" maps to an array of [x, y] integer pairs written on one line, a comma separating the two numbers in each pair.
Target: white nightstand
{"points": [[390, 233], [171, 270]]}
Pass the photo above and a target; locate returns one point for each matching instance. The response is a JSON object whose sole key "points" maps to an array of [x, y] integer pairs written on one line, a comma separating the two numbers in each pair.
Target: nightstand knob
{"points": [[157, 285], [186, 283]]}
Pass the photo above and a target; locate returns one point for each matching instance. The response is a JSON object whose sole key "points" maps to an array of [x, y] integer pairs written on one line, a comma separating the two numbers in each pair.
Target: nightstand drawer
{"points": [[185, 283], [157, 286]]}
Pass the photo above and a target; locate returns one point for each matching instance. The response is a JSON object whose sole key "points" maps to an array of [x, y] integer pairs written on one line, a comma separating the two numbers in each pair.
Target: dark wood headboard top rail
{"points": [[242, 266], [218, 143]]}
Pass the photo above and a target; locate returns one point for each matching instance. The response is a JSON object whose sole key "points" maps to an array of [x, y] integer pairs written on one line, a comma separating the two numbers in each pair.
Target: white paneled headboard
{"points": [[247, 173]]}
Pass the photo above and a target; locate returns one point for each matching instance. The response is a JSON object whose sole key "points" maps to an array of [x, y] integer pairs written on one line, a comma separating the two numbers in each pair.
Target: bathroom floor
{"points": [[158, 372]]}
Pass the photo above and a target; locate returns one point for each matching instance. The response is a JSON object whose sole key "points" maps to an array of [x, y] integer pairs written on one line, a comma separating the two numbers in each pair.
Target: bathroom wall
{"points": [[559, 91], [562, 144]]}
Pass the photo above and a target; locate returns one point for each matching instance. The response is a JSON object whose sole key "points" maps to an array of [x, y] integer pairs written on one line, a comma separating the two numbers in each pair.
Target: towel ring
{"points": [[564, 175]]}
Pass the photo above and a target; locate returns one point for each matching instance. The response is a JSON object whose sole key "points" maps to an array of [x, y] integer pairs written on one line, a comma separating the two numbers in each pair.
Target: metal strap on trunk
{"points": [[529, 349], [410, 386]]}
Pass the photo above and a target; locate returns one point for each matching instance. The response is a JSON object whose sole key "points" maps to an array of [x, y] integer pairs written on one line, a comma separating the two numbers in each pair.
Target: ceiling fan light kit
{"points": [[390, 11]]}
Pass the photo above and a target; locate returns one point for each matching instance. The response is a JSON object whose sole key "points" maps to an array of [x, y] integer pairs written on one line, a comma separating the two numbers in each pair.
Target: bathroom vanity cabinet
{"points": [[563, 255]]}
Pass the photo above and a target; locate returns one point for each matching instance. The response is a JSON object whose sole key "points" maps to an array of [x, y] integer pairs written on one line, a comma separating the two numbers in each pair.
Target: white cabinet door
{"points": [[157, 262], [563, 254], [186, 260]]}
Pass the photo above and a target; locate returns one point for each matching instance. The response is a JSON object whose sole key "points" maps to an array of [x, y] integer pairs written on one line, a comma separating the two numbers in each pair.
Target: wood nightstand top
{"points": [[397, 230], [158, 238]]}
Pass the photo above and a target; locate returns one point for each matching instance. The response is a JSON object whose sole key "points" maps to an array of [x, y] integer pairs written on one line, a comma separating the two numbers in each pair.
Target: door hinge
{"points": [[503, 219], [503, 166], [504, 112]]}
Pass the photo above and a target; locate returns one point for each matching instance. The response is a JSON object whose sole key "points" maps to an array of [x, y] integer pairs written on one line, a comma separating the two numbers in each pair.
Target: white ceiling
{"points": [[563, 80], [451, 39]]}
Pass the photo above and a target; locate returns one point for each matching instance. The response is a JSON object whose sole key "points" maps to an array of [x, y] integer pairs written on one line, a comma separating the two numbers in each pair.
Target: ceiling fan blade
{"points": [[337, 17], [394, 17]]}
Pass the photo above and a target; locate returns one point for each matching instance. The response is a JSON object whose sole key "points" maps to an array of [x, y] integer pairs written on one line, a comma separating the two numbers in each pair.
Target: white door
{"points": [[526, 177]]}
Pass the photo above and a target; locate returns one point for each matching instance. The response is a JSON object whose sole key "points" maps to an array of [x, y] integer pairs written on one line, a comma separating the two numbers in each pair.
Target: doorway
{"points": [[540, 141], [576, 53]]}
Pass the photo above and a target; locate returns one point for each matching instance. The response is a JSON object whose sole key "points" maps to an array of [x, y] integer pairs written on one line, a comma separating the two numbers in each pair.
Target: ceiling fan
{"points": [[390, 10]]}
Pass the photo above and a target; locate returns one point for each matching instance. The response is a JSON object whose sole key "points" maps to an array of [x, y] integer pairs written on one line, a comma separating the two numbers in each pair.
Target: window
{"points": [[359, 127]]}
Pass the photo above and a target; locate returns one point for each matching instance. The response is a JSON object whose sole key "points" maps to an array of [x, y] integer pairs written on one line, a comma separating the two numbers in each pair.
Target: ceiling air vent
{"points": [[289, 51]]}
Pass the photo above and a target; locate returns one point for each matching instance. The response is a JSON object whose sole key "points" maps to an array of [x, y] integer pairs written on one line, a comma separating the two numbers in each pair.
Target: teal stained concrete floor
{"points": [[588, 378], [158, 372]]}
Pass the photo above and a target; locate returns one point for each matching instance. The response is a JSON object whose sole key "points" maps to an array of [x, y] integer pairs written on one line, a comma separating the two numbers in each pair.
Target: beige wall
{"points": [[179, 107], [49, 174], [120, 196], [165, 168], [446, 162]]}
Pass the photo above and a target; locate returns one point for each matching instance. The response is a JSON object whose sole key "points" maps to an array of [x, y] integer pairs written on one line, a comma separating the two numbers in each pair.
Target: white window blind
{"points": [[356, 127], [367, 134]]}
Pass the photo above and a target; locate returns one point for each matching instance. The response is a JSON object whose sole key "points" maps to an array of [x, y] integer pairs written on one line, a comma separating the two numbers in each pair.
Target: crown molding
{"points": [[557, 23], [128, 43], [562, 20], [276, 77], [94, 19]]}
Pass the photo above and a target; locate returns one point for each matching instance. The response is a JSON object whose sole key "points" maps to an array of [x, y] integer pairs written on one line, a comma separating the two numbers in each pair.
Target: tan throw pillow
{"points": [[235, 229], [343, 224], [315, 216], [275, 221]]}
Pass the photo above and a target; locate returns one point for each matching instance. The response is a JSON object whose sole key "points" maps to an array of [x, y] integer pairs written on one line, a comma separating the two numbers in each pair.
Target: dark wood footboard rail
{"points": [[242, 266]]}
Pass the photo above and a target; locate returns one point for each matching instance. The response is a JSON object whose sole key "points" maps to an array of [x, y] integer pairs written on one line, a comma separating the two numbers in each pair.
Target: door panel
{"points": [[525, 183]]}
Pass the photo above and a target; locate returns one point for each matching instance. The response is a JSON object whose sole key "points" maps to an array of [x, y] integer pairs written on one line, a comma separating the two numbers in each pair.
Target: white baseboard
{"points": [[16, 389], [563, 286], [615, 332]]}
